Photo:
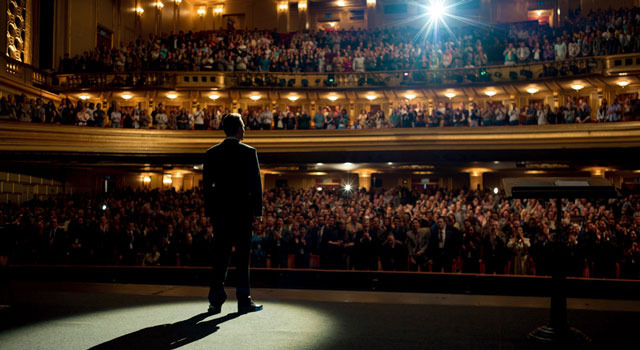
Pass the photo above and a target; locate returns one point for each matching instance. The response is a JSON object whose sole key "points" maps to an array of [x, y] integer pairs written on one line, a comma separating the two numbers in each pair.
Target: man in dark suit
{"points": [[233, 197], [444, 246]]}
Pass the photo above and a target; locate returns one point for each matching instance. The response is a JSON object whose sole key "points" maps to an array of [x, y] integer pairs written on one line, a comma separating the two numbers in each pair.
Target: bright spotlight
{"points": [[347, 187], [495, 190], [436, 9], [104, 207], [319, 189]]}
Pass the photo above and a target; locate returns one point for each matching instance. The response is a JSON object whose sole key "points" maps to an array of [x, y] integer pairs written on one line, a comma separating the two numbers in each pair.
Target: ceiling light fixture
{"points": [[577, 87]]}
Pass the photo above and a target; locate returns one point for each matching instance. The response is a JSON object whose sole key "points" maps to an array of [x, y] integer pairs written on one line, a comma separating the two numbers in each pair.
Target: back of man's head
{"points": [[231, 123]]}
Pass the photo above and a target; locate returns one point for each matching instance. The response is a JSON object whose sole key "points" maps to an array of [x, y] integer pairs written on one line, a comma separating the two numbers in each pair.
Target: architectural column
{"points": [[303, 15], [364, 178], [218, 11], [475, 177], [371, 14], [283, 16], [262, 175], [176, 14], [616, 180]]}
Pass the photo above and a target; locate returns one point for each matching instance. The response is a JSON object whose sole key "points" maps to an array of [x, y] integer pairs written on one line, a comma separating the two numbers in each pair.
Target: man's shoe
{"points": [[215, 309], [249, 307]]}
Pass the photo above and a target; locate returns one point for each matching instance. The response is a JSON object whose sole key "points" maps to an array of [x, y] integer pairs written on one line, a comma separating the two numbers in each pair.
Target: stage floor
{"points": [[115, 316]]}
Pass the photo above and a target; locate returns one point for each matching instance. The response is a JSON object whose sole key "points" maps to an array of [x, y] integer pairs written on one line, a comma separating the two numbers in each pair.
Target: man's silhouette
{"points": [[233, 197]]}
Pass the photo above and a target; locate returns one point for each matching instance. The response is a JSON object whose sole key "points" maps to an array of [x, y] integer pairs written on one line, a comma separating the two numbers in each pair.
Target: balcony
{"points": [[570, 69], [608, 142], [597, 74]]}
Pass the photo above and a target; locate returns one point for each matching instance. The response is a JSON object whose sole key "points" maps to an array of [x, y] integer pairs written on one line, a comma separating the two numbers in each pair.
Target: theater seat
{"points": [[507, 268], [314, 261], [291, 261], [532, 266]]}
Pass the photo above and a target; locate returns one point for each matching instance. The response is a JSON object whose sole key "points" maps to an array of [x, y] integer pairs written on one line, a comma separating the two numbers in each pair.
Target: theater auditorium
{"points": [[433, 174]]}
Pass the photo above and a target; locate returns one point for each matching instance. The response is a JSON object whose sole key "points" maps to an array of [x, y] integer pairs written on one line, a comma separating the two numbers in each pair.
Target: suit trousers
{"points": [[229, 234]]}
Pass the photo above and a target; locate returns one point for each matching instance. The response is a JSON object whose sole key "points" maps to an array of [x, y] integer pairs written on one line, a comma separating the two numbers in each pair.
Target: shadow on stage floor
{"points": [[140, 316], [168, 336]]}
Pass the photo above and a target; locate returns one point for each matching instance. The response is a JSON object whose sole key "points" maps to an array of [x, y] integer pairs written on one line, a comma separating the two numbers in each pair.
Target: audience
{"points": [[389, 229], [603, 32], [408, 115]]}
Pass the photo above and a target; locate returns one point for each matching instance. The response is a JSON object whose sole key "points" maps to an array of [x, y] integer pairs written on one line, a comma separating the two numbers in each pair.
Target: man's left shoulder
{"points": [[247, 147]]}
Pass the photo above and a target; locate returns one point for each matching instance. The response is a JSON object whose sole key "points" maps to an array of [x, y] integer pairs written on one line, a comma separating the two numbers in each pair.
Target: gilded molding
{"points": [[23, 137]]}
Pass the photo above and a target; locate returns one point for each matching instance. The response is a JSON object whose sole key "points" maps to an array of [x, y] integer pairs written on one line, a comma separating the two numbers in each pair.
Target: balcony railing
{"points": [[44, 139], [23, 73], [604, 65], [352, 80]]}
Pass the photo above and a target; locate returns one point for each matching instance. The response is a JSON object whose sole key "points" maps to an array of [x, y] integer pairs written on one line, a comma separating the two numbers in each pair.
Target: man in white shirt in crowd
{"points": [[266, 119], [116, 118], [523, 53], [198, 118], [161, 118], [560, 49]]}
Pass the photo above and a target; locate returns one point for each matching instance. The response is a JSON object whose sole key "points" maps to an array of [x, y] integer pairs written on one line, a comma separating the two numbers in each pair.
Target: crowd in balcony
{"points": [[407, 115], [603, 32], [388, 229]]}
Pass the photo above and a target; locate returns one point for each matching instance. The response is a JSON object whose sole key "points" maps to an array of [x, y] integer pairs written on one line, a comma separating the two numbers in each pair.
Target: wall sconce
{"points": [[146, 180], [167, 179], [302, 5], [159, 5], [201, 12], [139, 11], [218, 10], [371, 3], [178, 2], [283, 6]]}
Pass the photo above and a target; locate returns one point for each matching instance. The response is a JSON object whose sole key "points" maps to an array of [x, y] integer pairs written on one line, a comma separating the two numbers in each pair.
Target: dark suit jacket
{"points": [[451, 247], [231, 181]]}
